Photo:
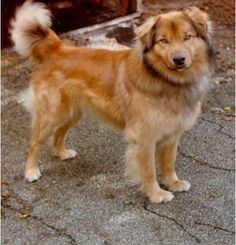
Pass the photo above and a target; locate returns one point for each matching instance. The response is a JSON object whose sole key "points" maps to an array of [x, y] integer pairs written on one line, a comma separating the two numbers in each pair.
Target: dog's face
{"points": [[176, 44]]}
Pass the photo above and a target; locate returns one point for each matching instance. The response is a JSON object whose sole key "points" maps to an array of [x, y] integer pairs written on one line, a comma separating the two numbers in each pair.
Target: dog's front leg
{"points": [[166, 152], [141, 170]]}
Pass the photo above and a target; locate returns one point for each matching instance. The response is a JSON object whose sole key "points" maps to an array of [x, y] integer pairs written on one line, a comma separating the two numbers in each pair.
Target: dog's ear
{"points": [[146, 32], [199, 20], [202, 24]]}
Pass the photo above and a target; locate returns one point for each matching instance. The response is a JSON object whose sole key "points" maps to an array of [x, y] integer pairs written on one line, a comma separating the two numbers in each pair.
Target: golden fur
{"points": [[140, 91]]}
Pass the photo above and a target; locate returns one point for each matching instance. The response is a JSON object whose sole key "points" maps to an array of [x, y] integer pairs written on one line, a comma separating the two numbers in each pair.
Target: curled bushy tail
{"points": [[30, 30]]}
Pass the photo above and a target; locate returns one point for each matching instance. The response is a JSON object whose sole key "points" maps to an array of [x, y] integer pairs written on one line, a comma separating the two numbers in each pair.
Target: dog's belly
{"points": [[109, 116], [105, 105]]}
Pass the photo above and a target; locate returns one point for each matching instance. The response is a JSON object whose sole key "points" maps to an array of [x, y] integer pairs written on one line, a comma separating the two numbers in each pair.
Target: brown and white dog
{"points": [[152, 92]]}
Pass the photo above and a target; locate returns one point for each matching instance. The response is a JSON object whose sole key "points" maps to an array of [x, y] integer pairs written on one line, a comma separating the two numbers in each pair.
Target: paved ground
{"points": [[87, 200]]}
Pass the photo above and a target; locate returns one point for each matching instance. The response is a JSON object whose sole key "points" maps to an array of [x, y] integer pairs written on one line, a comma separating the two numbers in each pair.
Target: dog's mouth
{"points": [[181, 68], [178, 67]]}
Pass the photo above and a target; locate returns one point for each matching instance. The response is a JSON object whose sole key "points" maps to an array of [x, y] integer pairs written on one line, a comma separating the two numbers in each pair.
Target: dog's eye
{"points": [[187, 37], [163, 40]]}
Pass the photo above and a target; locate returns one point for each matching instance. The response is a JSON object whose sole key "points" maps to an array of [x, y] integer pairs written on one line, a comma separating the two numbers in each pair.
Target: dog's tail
{"points": [[31, 33]]}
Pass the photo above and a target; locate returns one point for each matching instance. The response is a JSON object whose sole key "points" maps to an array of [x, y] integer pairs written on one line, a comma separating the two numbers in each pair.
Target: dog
{"points": [[153, 92]]}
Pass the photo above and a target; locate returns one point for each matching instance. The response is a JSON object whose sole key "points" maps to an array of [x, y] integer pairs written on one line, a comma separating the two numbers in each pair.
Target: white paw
{"points": [[161, 196], [32, 174], [67, 154], [179, 186]]}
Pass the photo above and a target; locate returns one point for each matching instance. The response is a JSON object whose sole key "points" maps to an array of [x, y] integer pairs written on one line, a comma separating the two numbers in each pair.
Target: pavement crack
{"points": [[212, 122], [228, 135], [202, 162], [221, 127], [61, 232], [57, 230], [214, 227], [173, 220]]}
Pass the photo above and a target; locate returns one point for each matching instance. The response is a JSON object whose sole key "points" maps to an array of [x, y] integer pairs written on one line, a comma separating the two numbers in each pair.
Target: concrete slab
{"points": [[87, 200]]}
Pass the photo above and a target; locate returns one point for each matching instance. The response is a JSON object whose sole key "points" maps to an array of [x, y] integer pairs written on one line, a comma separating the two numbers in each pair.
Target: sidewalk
{"points": [[87, 200]]}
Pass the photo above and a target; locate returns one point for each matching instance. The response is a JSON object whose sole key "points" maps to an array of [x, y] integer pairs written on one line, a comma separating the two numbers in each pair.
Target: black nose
{"points": [[179, 59]]}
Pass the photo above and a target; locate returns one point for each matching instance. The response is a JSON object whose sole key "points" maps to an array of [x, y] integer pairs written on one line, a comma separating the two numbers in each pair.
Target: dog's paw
{"points": [[161, 196], [32, 174], [67, 154], [178, 185]]}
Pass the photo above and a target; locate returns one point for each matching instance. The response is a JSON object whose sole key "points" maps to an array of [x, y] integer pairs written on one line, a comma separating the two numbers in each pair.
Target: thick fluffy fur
{"points": [[28, 17], [141, 91]]}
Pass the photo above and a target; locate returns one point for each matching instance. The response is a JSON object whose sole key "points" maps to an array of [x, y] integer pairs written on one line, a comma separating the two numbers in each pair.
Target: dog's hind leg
{"points": [[59, 143], [41, 130]]}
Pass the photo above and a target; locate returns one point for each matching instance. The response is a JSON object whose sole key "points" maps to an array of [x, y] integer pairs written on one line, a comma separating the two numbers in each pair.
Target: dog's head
{"points": [[177, 45]]}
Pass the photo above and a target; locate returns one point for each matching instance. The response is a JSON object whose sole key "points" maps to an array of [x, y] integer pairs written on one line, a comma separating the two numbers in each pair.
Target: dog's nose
{"points": [[179, 59]]}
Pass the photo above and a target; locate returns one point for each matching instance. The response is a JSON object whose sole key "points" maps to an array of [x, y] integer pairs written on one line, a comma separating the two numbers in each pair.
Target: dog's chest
{"points": [[164, 121]]}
